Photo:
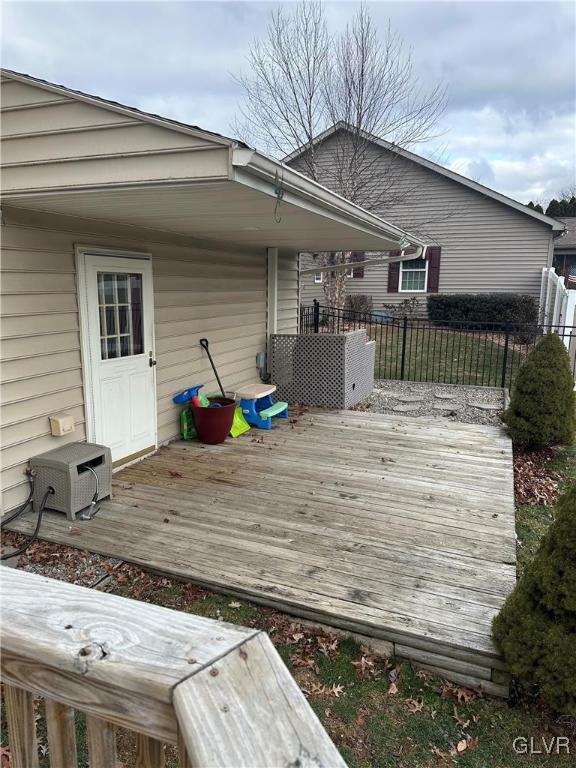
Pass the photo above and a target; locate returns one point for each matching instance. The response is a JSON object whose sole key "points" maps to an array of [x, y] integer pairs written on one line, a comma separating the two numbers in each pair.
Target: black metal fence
{"points": [[484, 354]]}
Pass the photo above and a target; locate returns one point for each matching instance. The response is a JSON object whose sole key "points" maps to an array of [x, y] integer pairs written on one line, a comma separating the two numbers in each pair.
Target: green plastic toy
{"points": [[187, 427]]}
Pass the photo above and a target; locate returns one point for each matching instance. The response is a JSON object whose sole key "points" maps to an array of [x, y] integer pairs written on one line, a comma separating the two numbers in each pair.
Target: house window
{"points": [[414, 276], [350, 272], [318, 277]]}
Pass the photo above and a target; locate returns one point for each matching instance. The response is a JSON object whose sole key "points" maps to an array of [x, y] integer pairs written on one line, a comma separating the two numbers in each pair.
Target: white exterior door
{"points": [[118, 345]]}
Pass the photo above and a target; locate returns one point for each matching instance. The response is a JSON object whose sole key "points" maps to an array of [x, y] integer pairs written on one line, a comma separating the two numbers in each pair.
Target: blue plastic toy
{"points": [[258, 407], [182, 398]]}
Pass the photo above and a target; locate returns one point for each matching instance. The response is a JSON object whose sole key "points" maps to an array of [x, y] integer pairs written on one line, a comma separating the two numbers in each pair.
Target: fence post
{"points": [[505, 358], [403, 358], [316, 316]]}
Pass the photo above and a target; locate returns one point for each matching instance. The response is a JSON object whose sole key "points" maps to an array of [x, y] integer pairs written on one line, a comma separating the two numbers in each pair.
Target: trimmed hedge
{"points": [[542, 406], [477, 309], [536, 628]]}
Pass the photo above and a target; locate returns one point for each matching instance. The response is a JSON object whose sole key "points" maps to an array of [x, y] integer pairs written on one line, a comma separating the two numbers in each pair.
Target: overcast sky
{"points": [[509, 69]]}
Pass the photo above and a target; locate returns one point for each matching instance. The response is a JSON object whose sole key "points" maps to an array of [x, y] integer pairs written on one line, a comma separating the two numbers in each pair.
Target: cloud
{"points": [[512, 155], [509, 69]]}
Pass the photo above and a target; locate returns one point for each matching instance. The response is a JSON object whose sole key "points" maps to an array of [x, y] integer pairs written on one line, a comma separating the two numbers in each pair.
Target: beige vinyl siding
{"points": [[486, 245], [197, 292], [288, 292], [49, 141]]}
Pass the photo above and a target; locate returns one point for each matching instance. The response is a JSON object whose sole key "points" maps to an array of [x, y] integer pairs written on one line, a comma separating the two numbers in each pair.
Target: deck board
{"points": [[397, 527]]}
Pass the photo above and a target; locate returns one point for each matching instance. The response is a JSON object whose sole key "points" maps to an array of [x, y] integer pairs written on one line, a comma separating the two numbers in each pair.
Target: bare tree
{"points": [[303, 80], [284, 92]]}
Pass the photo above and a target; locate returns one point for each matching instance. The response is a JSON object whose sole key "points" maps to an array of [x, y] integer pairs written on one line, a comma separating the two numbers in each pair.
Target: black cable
{"points": [[13, 515], [32, 538]]}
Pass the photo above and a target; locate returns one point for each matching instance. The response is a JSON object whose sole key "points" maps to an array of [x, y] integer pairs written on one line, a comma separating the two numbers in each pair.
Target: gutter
{"points": [[285, 184], [379, 262]]}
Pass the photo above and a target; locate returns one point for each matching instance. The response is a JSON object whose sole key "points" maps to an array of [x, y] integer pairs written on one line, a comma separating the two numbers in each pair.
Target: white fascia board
{"points": [[264, 174]]}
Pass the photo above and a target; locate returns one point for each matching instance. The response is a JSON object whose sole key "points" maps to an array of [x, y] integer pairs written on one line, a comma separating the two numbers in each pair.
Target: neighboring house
{"points": [[483, 241], [565, 252], [126, 238]]}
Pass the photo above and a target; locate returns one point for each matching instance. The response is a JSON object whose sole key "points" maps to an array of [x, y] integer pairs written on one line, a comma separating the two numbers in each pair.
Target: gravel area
{"points": [[76, 566], [472, 405]]}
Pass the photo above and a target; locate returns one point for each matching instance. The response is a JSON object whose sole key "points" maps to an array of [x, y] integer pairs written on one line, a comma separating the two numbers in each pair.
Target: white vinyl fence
{"points": [[558, 309]]}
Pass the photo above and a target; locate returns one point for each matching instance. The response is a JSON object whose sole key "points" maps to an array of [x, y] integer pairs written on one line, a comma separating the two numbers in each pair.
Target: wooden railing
{"points": [[220, 692]]}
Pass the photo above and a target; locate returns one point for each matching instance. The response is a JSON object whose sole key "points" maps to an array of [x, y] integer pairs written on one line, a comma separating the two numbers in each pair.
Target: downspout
{"points": [[384, 261]]}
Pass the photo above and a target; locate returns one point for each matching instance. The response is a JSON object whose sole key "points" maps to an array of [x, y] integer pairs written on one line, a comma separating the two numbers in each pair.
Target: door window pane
{"points": [[120, 310], [122, 288], [110, 321], [123, 318], [106, 288], [124, 346]]}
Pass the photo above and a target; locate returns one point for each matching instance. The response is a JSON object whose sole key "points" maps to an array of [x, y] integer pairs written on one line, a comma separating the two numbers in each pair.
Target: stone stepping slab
{"points": [[406, 407], [484, 406], [444, 395], [410, 398], [447, 406]]}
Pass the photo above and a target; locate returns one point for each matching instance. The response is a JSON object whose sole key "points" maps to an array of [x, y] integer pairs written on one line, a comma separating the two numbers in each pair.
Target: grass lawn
{"points": [[380, 712], [443, 356]]}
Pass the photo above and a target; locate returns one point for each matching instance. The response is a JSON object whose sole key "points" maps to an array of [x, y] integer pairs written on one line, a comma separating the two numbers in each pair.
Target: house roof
{"points": [[247, 199], [116, 106], [458, 178], [568, 239]]}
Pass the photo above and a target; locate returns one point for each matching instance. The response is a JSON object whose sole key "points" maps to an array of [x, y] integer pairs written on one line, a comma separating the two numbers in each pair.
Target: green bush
{"points": [[541, 411], [477, 310], [536, 628]]}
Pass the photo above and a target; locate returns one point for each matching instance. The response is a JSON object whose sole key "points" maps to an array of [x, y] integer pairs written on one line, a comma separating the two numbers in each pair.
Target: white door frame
{"points": [[82, 252]]}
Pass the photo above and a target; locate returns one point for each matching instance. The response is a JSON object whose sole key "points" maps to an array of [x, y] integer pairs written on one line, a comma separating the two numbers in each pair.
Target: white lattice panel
{"points": [[324, 369]]}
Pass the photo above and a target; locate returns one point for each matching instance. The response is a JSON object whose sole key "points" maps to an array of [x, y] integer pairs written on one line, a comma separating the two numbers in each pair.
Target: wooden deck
{"points": [[395, 527]]}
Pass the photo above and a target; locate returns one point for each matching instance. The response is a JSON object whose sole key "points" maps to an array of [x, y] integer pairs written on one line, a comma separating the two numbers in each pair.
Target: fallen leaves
{"points": [[360, 719], [317, 689], [465, 694], [460, 720], [415, 705], [393, 689], [464, 744], [457, 693], [456, 749], [304, 662], [173, 473], [439, 753], [534, 482], [328, 647]]}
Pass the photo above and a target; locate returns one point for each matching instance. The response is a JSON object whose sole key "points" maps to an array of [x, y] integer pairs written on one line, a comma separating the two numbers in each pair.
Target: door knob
{"points": [[151, 361]]}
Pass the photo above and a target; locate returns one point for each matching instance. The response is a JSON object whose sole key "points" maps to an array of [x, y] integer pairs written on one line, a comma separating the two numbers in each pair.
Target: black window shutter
{"points": [[433, 254], [393, 273]]}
